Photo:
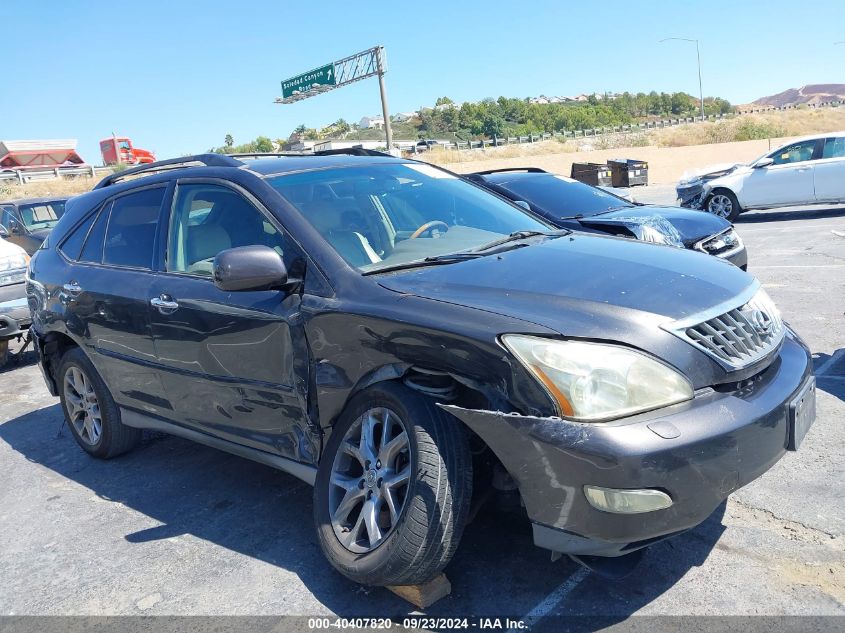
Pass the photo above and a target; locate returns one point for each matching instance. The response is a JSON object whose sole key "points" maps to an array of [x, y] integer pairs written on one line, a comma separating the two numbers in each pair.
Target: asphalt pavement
{"points": [[177, 528]]}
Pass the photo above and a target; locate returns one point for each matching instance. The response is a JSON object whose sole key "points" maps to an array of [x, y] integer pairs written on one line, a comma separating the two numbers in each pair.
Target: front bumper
{"points": [[690, 196], [698, 452], [14, 311]]}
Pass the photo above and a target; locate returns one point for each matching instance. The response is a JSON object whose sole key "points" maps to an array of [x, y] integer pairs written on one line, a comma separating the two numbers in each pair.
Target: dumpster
{"points": [[594, 174], [626, 172]]}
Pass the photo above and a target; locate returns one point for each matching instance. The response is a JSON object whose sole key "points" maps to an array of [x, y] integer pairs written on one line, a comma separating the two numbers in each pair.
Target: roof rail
{"points": [[207, 160], [262, 154], [533, 170], [352, 151]]}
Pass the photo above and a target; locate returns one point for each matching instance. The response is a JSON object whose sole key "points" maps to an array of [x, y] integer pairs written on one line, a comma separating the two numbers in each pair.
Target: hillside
{"points": [[810, 94]]}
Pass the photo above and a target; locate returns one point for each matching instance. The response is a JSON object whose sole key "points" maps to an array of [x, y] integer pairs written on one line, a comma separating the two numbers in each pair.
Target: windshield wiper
{"points": [[462, 256], [514, 237]]}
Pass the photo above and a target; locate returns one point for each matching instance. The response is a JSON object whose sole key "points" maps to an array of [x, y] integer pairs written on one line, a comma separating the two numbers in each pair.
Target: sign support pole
{"points": [[384, 110]]}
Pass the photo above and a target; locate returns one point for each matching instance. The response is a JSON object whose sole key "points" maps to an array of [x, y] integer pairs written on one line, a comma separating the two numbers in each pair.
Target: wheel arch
{"points": [[52, 346]]}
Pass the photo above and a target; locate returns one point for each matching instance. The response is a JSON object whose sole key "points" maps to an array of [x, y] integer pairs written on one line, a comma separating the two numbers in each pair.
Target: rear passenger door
{"points": [[106, 293], [829, 172], [229, 359]]}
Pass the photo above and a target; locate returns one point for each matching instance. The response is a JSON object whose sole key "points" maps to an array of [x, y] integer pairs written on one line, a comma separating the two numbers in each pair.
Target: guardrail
{"points": [[22, 176], [616, 129]]}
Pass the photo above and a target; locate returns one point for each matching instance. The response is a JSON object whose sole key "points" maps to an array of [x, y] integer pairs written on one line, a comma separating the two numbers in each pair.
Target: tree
{"points": [[263, 144], [229, 141], [443, 101]]}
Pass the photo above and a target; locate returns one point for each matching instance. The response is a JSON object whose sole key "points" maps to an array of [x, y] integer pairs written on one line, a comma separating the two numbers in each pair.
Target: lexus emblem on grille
{"points": [[759, 320]]}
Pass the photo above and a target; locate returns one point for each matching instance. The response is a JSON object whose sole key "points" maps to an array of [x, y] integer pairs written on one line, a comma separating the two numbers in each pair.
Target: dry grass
{"points": [[767, 125], [753, 126], [45, 188]]}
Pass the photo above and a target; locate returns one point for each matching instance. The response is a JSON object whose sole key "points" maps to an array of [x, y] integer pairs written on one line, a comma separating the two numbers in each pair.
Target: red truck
{"points": [[117, 149]]}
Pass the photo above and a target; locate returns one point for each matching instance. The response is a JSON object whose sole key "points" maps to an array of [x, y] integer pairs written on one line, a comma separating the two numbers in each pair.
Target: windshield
{"points": [[43, 215], [381, 216], [562, 197]]}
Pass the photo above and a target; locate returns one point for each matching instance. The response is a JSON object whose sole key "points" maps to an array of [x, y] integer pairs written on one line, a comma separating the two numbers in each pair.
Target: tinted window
{"points": [[834, 148], [130, 237], [562, 197], [208, 219], [378, 216], [72, 246], [93, 249], [795, 153], [7, 214]]}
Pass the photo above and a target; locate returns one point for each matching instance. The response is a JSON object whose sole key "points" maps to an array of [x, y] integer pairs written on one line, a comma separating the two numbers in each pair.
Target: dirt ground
{"points": [[666, 164]]}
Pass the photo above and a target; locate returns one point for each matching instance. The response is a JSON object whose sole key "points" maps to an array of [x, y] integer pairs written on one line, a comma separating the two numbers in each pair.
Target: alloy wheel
{"points": [[369, 480], [720, 205], [83, 409]]}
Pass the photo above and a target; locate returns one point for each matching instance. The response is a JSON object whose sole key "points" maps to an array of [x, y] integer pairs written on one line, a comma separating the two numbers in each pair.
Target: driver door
{"points": [[231, 362], [787, 181]]}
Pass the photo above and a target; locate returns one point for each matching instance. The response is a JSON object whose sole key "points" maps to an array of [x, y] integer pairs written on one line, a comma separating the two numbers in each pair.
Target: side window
{"points": [[6, 217], [208, 219], [92, 251], [795, 153], [131, 232], [72, 246], [834, 147]]}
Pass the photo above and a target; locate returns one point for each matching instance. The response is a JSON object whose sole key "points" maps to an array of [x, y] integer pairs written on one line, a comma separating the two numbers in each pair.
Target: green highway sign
{"points": [[322, 76]]}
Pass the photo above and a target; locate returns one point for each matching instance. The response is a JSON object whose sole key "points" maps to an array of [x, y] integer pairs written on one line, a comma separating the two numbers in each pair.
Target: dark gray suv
{"points": [[400, 338]]}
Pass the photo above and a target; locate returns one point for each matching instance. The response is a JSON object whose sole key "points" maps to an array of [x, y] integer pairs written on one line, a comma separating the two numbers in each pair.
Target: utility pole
{"points": [[698, 58]]}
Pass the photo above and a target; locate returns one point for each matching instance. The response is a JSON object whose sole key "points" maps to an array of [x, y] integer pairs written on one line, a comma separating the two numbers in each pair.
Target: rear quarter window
{"points": [[72, 245]]}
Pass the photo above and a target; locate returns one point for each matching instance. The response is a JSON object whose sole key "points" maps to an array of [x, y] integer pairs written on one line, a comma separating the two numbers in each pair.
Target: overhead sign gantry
{"points": [[369, 63]]}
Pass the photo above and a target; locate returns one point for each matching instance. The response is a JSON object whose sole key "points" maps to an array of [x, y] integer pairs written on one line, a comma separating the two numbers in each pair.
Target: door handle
{"points": [[72, 288], [164, 304]]}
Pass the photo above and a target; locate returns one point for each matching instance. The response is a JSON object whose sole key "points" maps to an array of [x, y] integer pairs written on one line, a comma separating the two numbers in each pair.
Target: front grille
{"points": [[740, 336]]}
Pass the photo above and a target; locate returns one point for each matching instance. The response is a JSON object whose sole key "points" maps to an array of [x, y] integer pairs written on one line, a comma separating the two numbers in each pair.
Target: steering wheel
{"points": [[427, 227]]}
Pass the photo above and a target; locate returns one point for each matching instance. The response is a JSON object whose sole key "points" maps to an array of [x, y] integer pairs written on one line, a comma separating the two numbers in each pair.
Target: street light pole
{"points": [[698, 58]]}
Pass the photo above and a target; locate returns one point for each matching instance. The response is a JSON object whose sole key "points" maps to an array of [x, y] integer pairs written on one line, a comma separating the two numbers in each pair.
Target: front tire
{"points": [[393, 488], [90, 410], [723, 203]]}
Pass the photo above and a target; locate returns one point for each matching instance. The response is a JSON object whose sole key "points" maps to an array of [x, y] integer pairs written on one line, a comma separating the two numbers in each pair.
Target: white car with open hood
{"points": [[809, 170]]}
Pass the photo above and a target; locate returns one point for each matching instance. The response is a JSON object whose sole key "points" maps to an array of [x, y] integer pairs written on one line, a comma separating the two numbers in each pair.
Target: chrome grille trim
{"points": [[735, 334]]}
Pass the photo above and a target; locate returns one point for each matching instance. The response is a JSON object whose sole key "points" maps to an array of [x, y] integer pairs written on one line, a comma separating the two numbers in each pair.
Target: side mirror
{"points": [[3, 232], [523, 204], [14, 227], [249, 268], [764, 162]]}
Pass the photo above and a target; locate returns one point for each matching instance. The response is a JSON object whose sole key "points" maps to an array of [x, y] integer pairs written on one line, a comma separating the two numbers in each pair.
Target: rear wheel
{"points": [[724, 204], [90, 411], [393, 488]]}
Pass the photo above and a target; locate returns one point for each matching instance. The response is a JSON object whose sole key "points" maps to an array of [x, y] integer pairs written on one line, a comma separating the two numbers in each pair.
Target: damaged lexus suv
{"points": [[400, 338]]}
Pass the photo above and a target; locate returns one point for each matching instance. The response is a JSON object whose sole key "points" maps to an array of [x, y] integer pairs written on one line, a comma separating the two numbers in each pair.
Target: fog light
{"points": [[626, 501]]}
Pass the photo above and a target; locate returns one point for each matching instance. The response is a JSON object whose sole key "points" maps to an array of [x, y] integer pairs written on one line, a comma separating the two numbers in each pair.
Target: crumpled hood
{"points": [[710, 173], [682, 226], [582, 285]]}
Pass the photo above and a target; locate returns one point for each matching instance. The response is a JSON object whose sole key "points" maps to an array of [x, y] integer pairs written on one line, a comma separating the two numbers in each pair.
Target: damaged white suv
{"points": [[807, 171]]}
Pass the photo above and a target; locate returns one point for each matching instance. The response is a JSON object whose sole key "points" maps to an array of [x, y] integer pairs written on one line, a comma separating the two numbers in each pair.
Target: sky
{"points": [[177, 76]]}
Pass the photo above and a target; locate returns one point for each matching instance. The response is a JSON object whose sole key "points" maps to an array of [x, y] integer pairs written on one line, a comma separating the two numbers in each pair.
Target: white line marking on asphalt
{"points": [[545, 606], [830, 361]]}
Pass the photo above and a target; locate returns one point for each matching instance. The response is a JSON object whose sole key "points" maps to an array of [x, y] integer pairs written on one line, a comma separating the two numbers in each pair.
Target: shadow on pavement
{"points": [[832, 380], [784, 215], [267, 515]]}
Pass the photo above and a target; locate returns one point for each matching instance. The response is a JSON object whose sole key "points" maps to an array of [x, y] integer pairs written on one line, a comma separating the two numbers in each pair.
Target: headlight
{"points": [[726, 241], [596, 382], [13, 262]]}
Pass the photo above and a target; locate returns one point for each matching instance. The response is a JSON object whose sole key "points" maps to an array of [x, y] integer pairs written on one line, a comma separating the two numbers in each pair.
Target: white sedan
{"points": [[807, 171]]}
